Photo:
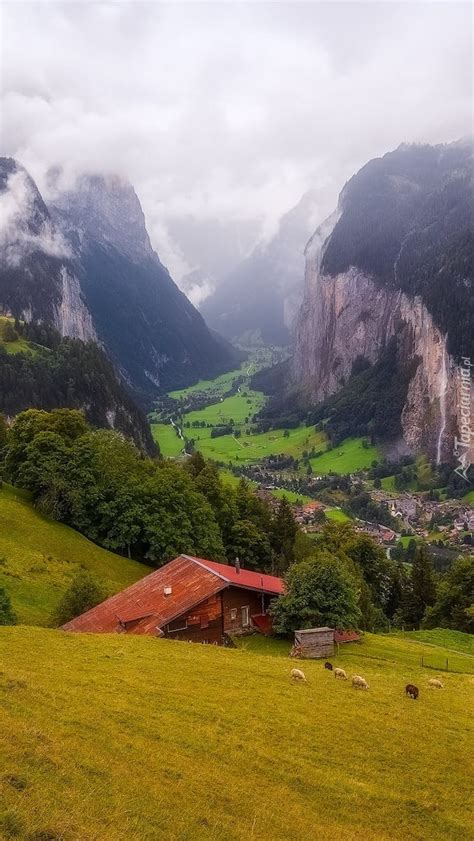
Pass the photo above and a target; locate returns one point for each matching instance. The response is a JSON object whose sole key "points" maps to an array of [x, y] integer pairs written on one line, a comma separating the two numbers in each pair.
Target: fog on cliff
{"points": [[222, 114]]}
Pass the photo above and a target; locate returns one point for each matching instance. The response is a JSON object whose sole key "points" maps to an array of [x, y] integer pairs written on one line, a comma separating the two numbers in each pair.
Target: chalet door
{"points": [[245, 616]]}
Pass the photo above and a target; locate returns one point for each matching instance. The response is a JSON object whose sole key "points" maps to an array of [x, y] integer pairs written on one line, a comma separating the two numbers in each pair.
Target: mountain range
{"points": [[84, 264]]}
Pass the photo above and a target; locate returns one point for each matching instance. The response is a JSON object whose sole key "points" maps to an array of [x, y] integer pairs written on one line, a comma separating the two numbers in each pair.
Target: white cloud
{"points": [[17, 238], [229, 111]]}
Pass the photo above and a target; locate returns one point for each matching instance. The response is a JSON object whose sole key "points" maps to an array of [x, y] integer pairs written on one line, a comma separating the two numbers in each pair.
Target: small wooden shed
{"points": [[315, 642]]}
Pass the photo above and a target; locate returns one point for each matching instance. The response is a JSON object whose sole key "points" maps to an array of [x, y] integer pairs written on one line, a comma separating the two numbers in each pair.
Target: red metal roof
{"points": [[346, 636], [245, 577], [143, 608]]}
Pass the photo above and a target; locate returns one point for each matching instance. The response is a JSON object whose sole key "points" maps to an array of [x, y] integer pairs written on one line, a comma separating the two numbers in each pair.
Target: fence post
{"points": [[422, 660], [447, 664]]}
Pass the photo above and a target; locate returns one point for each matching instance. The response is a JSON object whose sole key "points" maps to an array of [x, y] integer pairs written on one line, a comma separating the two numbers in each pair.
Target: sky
{"points": [[223, 115]]}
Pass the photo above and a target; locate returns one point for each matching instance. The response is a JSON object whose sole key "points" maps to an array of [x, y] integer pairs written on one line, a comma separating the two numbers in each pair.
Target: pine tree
{"points": [[423, 585]]}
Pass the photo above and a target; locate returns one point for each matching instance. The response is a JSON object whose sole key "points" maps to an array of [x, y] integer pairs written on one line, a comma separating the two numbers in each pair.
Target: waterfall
{"points": [[442, 403]]}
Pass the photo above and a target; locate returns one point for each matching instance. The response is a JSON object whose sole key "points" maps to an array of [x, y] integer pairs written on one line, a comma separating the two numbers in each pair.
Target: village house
{"points": [[187, 599]]}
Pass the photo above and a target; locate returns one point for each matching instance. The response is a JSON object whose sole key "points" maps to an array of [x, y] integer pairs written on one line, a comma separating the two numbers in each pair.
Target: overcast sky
{"points": [[229, 111]]}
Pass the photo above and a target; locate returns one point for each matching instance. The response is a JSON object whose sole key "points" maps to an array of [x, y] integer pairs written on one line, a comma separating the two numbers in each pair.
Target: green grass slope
{"points": [[112, 737], [38, 558], [347, 457]]}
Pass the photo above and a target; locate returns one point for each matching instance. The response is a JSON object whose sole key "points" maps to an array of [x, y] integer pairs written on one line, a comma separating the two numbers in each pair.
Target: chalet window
{"points": [[245, 616], [179, 624], [233, 613]]}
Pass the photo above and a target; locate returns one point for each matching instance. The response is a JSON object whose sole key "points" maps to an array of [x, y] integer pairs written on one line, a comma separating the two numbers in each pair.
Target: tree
{"points": [[83, 593], [423, 583], [7, 614], [419, 591], [371, 560], [251, 545], [454, 605], [320, 591], [9, 332], [284, 531]]}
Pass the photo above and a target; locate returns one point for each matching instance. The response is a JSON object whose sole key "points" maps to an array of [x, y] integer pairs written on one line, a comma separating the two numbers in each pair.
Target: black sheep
{"points": [[328, 666], [412, 691]]}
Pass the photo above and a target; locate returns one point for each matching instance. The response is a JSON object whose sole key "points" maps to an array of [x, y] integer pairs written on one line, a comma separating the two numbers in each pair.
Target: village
{"points": [[448, 523]]}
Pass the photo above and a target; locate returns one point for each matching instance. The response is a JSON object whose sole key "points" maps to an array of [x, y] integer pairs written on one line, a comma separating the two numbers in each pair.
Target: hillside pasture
{"points": [[348, 457], [169, 442], [18, 346], [38, 558], [152, 740], [236, 408], [253, 448]]}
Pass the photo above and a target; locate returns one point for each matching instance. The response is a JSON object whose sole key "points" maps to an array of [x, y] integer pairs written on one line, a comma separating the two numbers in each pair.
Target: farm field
{"points": [[218, 384], [347, 457], [235, 408], [203, 743], [252, 448], [38, 558], [337, 515], [170, 443]]}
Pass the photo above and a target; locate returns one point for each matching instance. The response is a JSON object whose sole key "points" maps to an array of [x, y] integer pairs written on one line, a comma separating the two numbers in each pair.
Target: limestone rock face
{"points": [[39, 281], [354, 312]]}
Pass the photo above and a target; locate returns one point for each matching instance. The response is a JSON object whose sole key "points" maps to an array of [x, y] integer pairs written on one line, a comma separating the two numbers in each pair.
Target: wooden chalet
{"points": [[187, 599]]}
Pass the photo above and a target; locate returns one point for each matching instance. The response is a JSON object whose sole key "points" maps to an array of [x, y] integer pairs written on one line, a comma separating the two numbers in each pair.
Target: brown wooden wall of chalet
{"points": [[234, 599], [201, 624], [218, 615]]}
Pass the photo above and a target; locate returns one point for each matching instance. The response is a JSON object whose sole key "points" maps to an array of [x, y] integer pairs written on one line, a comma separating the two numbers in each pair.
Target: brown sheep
{"points": [[412, 691]]}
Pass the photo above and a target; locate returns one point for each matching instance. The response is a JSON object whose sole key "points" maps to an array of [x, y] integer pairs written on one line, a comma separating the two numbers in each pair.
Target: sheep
{"points": [[412, 691], [436, 683], [340, 673], [297, 674], [328, 666], [359, 682]]}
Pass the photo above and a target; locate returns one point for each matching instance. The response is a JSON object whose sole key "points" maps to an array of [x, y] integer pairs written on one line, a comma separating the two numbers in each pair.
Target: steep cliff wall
{"points": [[355, 312], [38, 281]]}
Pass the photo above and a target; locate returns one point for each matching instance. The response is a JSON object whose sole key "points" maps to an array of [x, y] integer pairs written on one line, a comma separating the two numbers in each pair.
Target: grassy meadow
{"points": [[233, 409], [20, 345], [113, 737], [347, 457], [170, 443], [38, 558], [252, 448]]}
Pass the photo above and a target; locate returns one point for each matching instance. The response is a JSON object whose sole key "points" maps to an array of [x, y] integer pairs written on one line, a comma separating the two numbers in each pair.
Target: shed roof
{"points": [[144, 607]]}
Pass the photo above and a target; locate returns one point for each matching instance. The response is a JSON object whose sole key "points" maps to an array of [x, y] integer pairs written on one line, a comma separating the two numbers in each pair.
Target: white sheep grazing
{"points": [[359, 682], [297, 674], [340, 673], [436, 683]]}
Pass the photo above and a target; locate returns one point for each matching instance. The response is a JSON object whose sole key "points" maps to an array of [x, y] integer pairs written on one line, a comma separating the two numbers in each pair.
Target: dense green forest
{"points": [[152, 510], [55, 371]]}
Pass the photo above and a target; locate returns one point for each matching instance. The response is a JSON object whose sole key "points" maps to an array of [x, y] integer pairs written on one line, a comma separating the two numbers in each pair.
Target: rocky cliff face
{"points": [[355, 301], [38, 279], [155, 336], [85, 265]]}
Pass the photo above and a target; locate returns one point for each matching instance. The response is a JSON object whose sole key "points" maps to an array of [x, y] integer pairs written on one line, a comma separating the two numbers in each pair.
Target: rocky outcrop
{"points": [[154, 335], [353, 313], [38, 279]]}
